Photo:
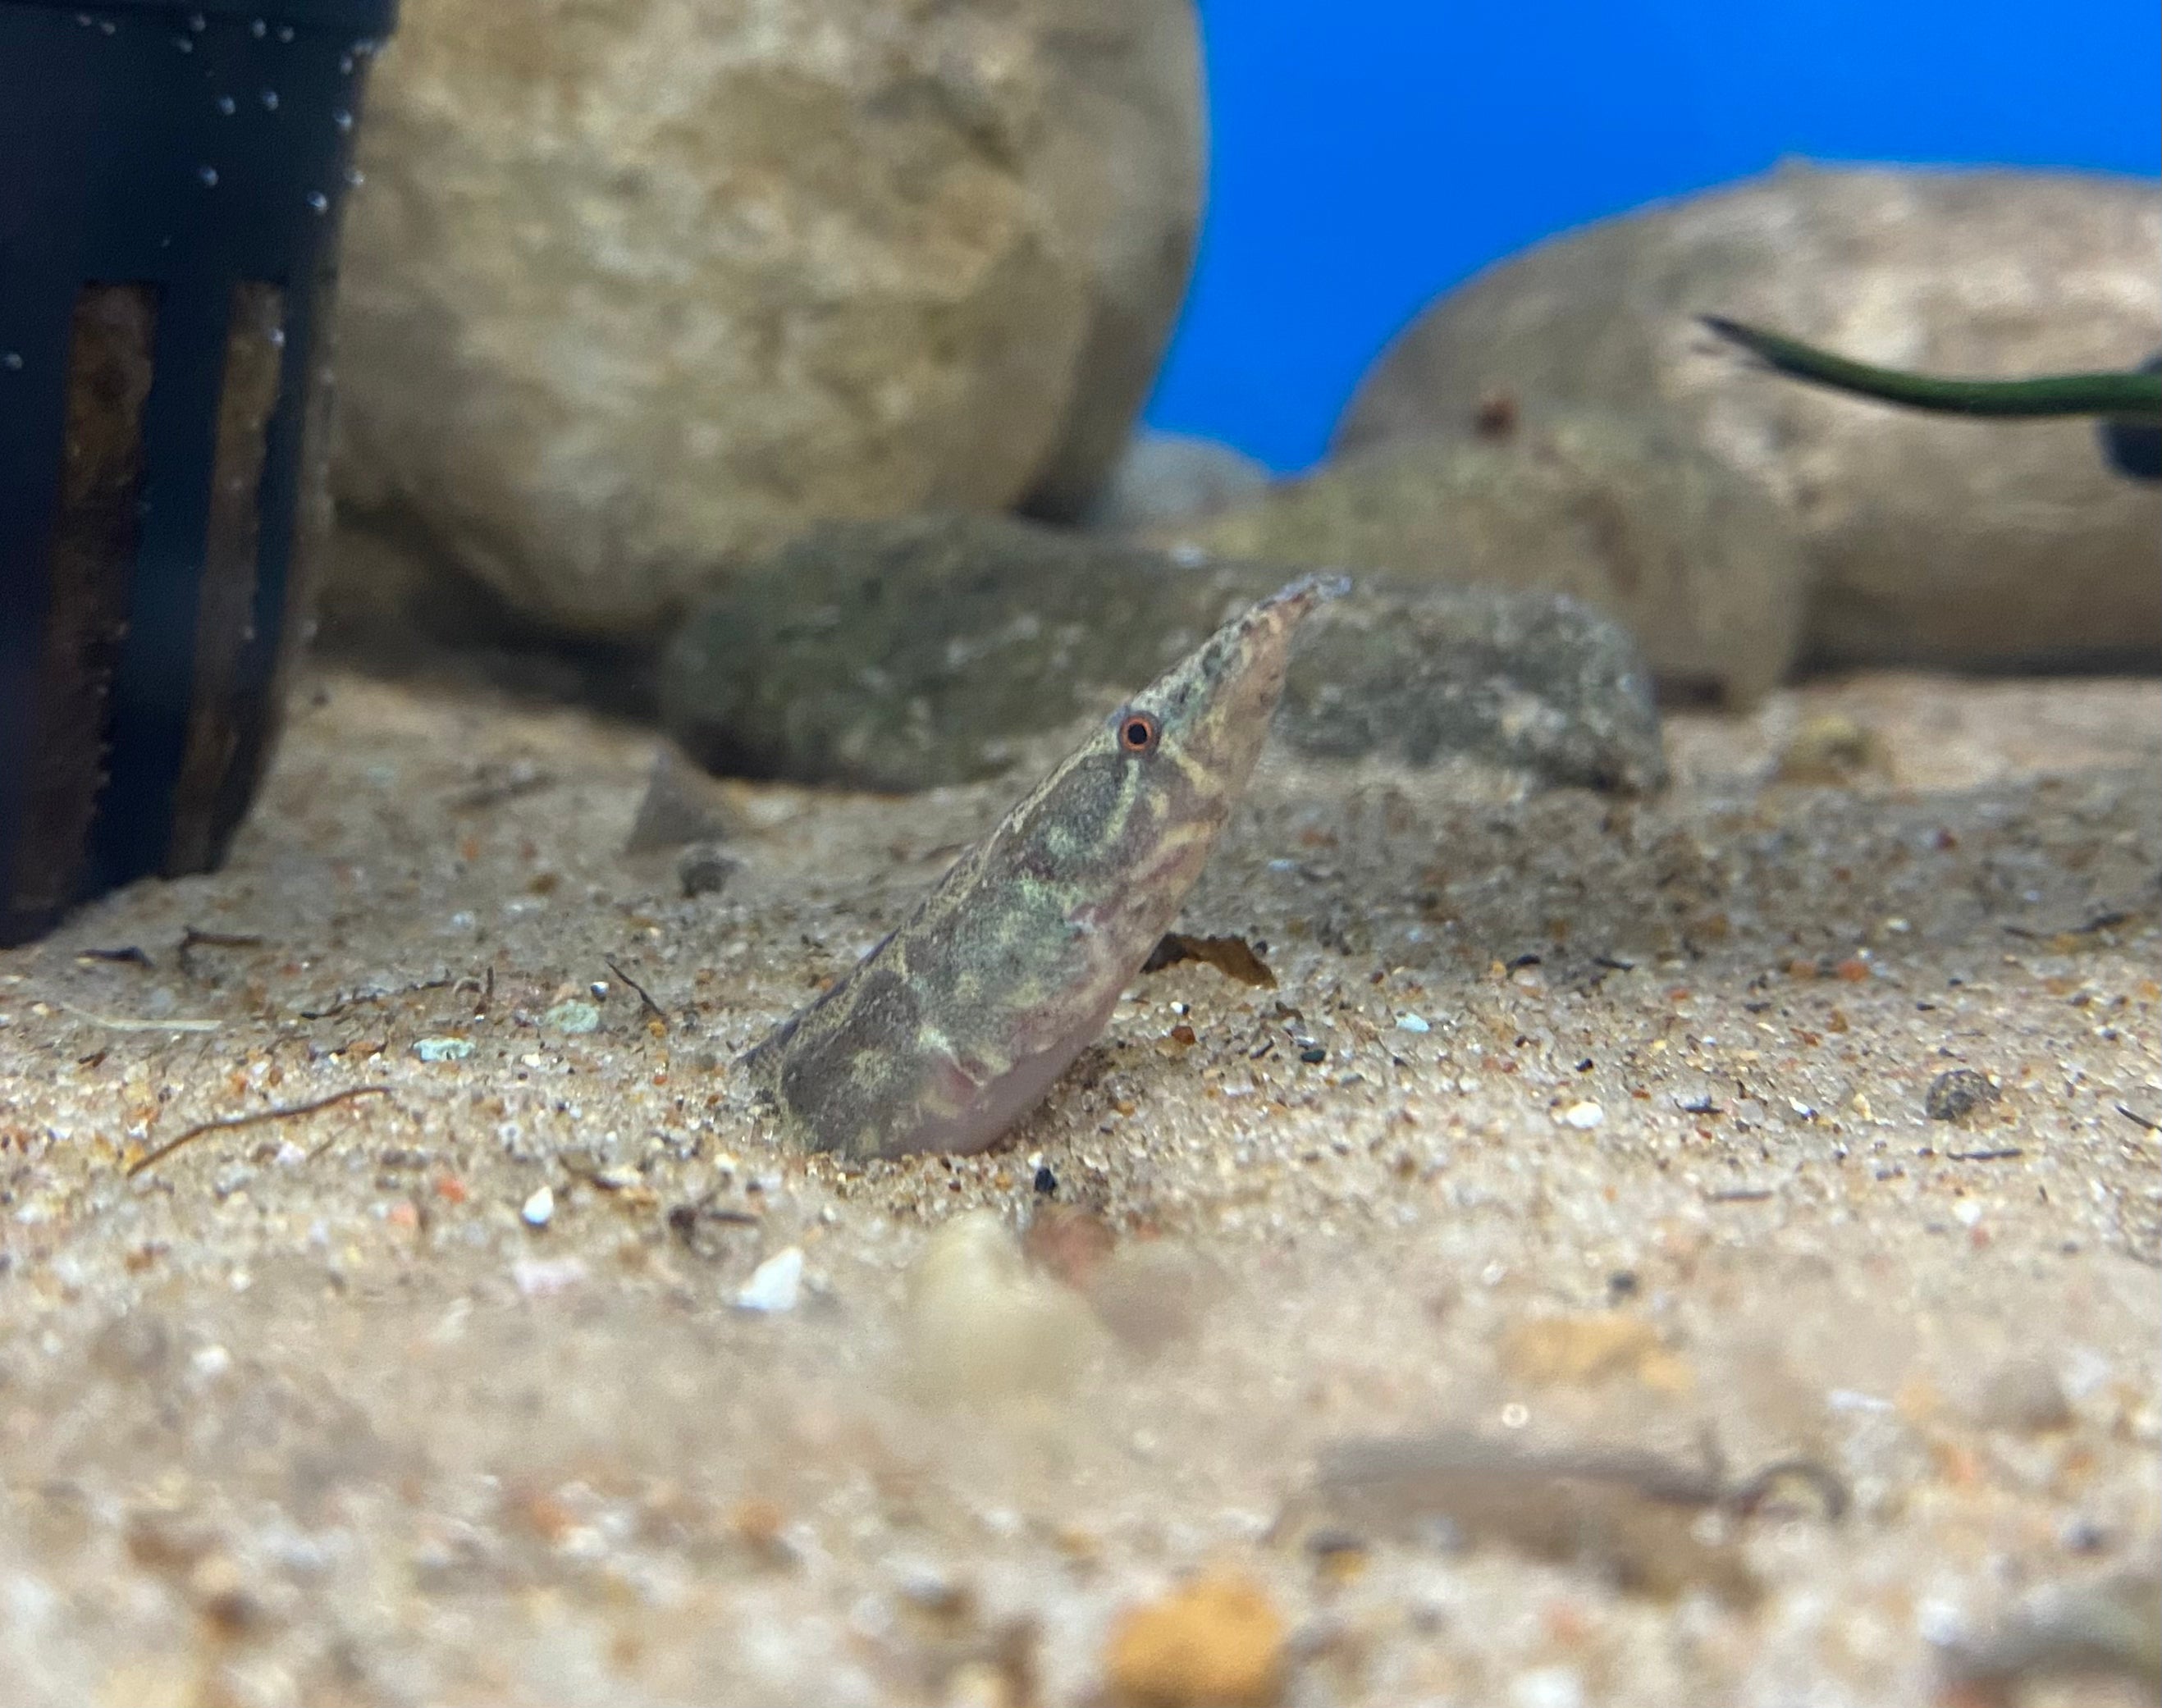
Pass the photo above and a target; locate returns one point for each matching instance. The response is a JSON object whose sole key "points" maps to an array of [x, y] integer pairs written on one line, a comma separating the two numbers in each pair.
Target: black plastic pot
{"points": [[172, 178]]}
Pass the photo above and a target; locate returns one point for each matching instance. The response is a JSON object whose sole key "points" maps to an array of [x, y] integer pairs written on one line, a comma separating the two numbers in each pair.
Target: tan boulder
{"points": [[1694, 561], [637, 286], [1929, 539]]}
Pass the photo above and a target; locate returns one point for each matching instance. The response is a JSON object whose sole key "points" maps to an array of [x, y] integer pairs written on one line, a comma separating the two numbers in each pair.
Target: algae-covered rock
{"points": [[939, 650]]}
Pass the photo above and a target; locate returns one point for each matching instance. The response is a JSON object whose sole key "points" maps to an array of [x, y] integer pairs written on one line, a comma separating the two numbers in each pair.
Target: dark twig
{"points": [[1746, 1495], [354, 999], [284, 1111], [192, 938], [128, 954], [644, 995]]}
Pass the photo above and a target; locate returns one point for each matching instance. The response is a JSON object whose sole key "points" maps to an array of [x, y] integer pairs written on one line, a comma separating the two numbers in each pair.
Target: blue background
{"points": [[1367, 154]]}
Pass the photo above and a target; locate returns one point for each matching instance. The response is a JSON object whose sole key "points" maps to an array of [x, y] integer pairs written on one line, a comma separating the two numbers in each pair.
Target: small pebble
{"points": [[1956, 1094], [2023, 1394], [683, 805], [1582, 1116], [574, 1017], [704, 869], [543, 1277], [1216, 1643], [540, 1209], [443, 1049], [1412, 1022], [775, 1284], [1829, 750]]}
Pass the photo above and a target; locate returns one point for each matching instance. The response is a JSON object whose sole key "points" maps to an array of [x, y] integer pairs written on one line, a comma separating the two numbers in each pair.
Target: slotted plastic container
{"points": [[171, 180]]}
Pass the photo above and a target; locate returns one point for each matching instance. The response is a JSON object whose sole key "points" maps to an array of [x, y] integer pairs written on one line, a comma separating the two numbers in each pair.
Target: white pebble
{"points": [[1412, 1022], [1547, 1687], [775, 1284], [1584, 1116], [540, 1209], [539, 1278]]}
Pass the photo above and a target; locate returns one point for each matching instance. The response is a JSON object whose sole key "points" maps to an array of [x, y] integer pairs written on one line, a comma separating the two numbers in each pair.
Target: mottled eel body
{"points": [[952, 1028]]}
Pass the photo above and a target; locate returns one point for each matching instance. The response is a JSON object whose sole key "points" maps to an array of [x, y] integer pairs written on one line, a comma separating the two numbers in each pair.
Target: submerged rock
{"points": [[1167, 478], [940, 650], [649, 283], [681, 807], [1530, 681], [1695, 562], [1929, 540]]}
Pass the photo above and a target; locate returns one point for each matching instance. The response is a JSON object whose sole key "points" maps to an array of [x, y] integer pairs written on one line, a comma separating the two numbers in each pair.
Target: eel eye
{"points": [[1138, 732]]}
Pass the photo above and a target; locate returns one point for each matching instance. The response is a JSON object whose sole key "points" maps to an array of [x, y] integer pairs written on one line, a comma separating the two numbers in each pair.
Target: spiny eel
{"points": [[954, 1027]]}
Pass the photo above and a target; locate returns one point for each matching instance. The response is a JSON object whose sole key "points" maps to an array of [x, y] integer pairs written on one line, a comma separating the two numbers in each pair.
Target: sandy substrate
{"points": [[1615, 1136]]}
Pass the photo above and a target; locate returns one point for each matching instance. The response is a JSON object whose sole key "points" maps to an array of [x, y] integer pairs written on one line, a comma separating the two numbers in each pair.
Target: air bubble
{"points": [[227, 106], [269, 100], [85, 20], [184, 45], [258, 29], [284, 32], [341, 118], [12, 361], [198, 23], [106, 26], [277, 337], [345, 65], [319, 201], [209, 177], [354, 177]]}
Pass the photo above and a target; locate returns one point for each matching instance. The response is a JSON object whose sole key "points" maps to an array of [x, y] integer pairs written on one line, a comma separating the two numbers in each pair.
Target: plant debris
{"points": [[380, 992], [1626, 1512], [644, 997], [1232, 956], [129, 955], [120, 1022], [284, 1111]]}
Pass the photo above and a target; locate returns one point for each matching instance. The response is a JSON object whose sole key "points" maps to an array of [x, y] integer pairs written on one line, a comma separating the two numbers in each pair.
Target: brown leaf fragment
{"points": [[1631, 1516], [1232, 956]]}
